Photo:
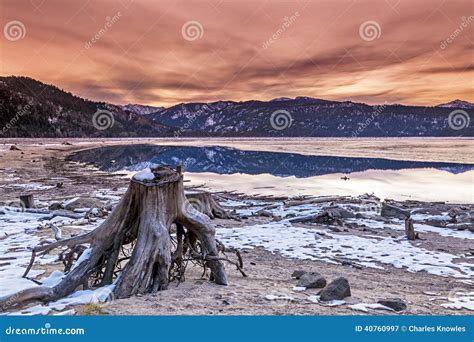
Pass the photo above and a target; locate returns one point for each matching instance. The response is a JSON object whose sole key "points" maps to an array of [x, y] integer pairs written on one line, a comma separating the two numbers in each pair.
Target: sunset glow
{"points": [[168, 52]]}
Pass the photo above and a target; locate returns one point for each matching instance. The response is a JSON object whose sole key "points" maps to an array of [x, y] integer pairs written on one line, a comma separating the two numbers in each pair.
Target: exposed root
{"points": [[133, 248]]}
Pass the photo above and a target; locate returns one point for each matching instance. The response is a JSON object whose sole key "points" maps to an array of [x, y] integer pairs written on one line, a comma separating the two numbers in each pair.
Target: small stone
{"points": [[311, 280], [56, 206], [390, 210], [338, 212], [395, 303], [337, 289], [83, 202], [264, 213]]}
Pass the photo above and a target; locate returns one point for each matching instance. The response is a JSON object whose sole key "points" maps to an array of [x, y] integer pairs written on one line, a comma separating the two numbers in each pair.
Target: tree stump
{"points": [[206, 204], [27, 201], [140, 222], [409, 229]]}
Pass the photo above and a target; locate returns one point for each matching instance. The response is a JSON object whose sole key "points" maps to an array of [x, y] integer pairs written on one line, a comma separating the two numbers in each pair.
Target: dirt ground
{"points": [[268, 273]]}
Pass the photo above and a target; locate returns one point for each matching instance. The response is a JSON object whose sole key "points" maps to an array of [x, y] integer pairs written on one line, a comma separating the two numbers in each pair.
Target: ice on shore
{"points": [[322, 245]]}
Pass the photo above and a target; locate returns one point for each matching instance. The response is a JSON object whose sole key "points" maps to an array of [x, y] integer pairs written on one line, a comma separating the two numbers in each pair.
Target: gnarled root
{"points": [[140, 224]]}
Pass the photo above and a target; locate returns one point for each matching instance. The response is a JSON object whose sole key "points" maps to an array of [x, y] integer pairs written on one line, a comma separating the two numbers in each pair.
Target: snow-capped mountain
{"points": [[141, 109], [309, 117], [457, 104]]}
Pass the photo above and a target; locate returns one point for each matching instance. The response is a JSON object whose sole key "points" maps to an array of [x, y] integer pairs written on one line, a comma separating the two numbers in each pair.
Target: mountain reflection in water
{"points": [[224, 160]]}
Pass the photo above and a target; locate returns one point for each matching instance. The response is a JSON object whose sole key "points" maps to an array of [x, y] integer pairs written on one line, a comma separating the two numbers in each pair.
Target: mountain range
{"points": [[30, 108]]}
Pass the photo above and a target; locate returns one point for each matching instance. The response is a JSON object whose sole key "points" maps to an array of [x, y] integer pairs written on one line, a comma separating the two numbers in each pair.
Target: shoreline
{"points": [[269, 267]]}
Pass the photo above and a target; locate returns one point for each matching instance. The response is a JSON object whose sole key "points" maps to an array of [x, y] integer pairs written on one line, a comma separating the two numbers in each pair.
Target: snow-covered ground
{"points": [[22, 230]]}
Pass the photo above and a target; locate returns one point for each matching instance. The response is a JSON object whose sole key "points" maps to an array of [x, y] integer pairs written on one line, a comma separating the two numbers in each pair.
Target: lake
{"points": [[248, 166]]}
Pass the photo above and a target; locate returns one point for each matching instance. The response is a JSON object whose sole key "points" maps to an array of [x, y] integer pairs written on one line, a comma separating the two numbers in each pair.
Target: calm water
{"points": [[262, 172]]}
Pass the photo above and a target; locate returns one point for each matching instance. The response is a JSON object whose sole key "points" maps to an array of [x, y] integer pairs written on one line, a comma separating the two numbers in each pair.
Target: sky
{"points": [[165, 52]]}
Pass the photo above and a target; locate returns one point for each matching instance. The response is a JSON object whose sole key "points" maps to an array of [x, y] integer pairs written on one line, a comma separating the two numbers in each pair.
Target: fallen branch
{"points": [[315, 200]]}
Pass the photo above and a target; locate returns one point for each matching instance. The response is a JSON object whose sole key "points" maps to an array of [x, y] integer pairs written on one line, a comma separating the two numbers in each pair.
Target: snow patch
{"points": [[364, 307], [84, 257], [304, 243], [461, 300], [144, 175], [273, 297], [334, 302]]}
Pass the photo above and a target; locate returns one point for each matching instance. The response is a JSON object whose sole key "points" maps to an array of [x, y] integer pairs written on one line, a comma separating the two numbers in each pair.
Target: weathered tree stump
{"points": [[409, 229], [27, 201], [206, 204], [140, 222]]}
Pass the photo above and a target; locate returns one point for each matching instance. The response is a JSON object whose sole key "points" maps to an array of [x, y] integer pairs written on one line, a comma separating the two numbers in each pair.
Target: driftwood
{"points": [[140, 222], [315, 200], [324, 217], [56, 231], [330, 215]]}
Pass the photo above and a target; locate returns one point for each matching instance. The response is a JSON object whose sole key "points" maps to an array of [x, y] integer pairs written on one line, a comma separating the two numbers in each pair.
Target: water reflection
{"points": [[224, 160]]}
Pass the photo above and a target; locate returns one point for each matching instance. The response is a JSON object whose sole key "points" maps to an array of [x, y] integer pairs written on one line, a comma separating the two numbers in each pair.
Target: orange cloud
{"points": [[416, 52]]}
